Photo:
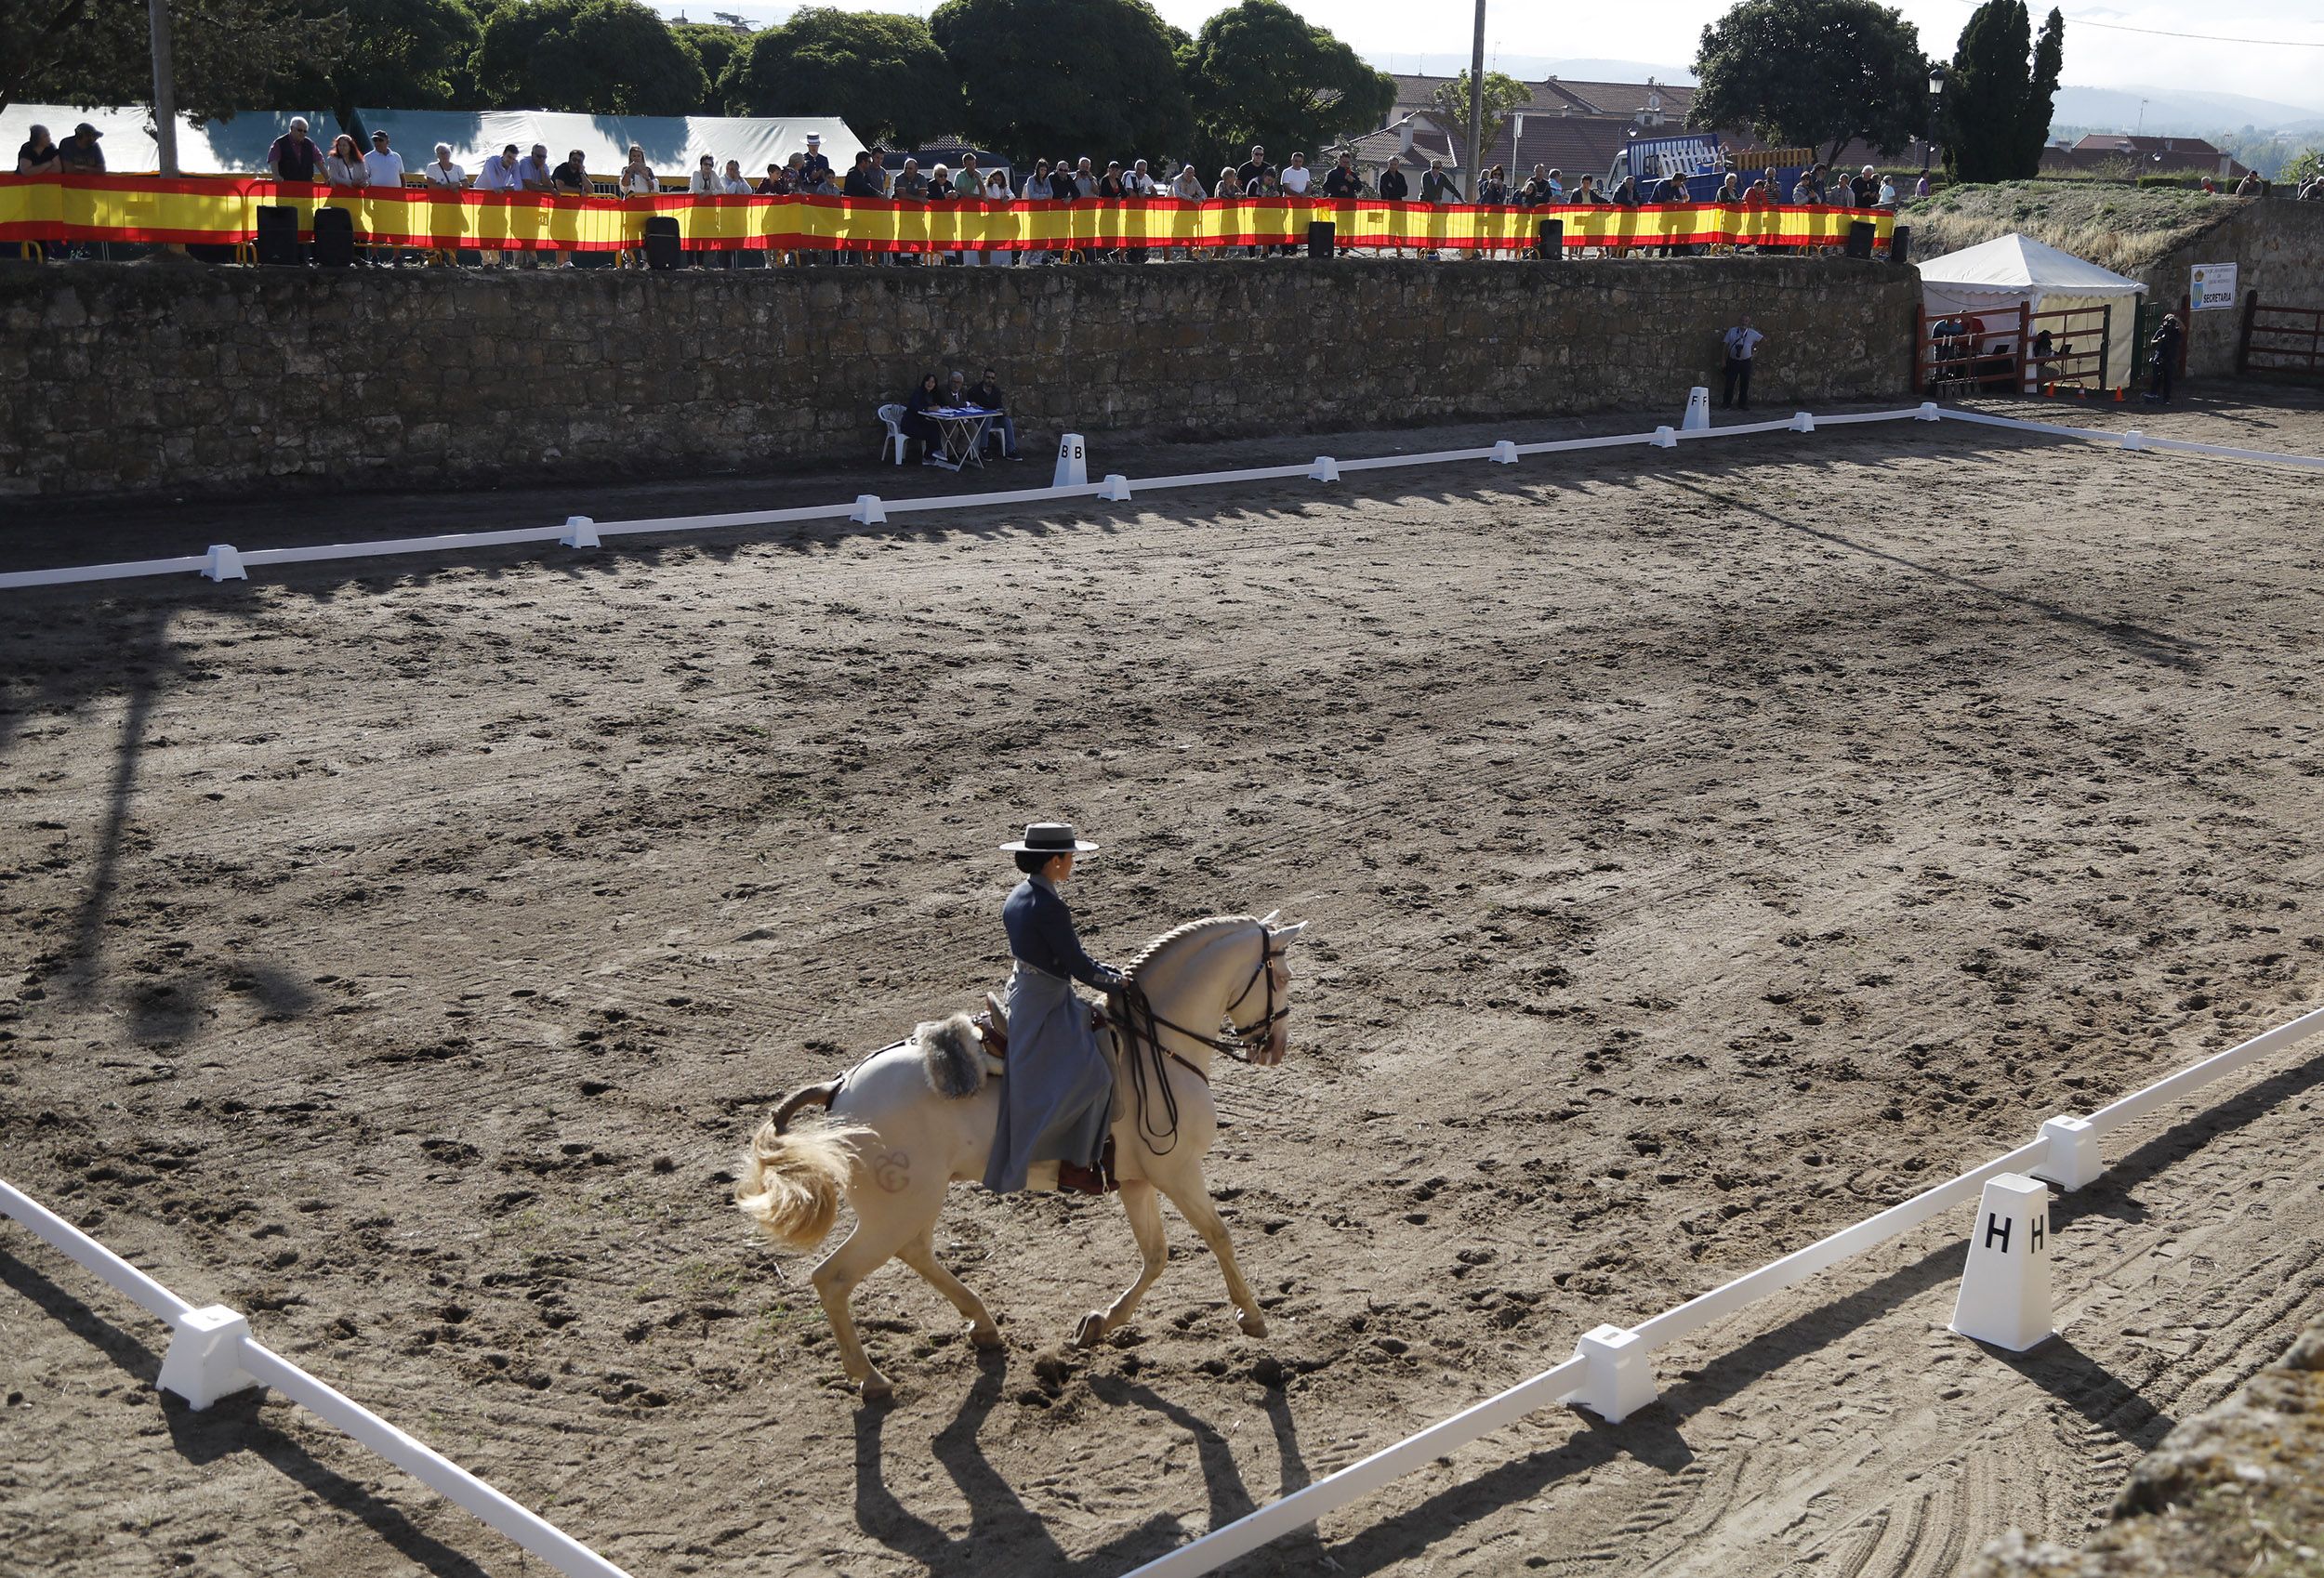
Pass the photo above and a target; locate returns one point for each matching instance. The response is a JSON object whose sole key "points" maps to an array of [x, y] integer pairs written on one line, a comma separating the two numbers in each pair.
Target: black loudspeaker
{"points": [[278, 235], [1551, 238], [1859, 238], [1900, 244], [661, 242], [1322, 239], [334, 238]]}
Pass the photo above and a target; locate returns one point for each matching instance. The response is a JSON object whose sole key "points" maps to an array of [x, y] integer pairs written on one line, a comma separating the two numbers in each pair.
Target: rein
{"points": [[1144, 1027]]}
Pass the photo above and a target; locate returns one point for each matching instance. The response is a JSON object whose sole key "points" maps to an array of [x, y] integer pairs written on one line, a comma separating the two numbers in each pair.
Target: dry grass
{"points": [[2120, 227]]}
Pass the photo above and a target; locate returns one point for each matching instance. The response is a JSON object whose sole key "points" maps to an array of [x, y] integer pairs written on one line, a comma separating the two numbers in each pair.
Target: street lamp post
{"points": [[1476, 105], [1936, 110]]}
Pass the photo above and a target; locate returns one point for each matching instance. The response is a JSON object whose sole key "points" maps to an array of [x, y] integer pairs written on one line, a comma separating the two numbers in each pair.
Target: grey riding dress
{"points": [[1057, 1100]]}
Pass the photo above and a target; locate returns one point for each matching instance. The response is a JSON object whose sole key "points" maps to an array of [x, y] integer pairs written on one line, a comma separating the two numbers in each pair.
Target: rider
{"points": [[1057, 1100]]}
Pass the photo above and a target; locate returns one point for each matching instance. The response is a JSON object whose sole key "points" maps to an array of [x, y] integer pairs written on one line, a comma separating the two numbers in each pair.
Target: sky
{"points": [[1666, 30]]}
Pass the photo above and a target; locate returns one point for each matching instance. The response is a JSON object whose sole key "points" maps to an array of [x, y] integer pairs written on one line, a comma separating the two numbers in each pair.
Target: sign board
{"points": [[2213, 288]]}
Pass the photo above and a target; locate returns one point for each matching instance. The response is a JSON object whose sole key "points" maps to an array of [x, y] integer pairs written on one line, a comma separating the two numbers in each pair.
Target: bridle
{"points": [[1246, 1043]]}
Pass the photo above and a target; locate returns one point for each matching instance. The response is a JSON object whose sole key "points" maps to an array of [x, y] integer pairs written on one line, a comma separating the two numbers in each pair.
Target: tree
{"points": [[1070, 77], [1502, 94], [1814, 74], [882, 75], [592, 57], [396, 54], [1259, 73], [227, 55], [2304, 167], [717, 51], [1996, 105]]}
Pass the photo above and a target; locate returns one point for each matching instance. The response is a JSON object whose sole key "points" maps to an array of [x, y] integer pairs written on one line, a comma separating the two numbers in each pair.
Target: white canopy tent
{"points": [[1996, 277], [235, 147], [673, 144]]}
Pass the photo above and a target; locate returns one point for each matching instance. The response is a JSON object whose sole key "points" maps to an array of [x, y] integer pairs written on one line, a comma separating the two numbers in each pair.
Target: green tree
{"points": [[1813, 74], [880, 73], [1997, 94], [591, 57], [2304, 168], [1502, 95], [1071, 77], [227, 55], [394, 54], [1259, 73], [718, 50]]}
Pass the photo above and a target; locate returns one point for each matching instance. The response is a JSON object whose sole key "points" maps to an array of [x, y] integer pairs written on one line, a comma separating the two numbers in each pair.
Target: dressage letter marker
{"points": [[1698, 418], [1073, 464], [2005, 1290]]}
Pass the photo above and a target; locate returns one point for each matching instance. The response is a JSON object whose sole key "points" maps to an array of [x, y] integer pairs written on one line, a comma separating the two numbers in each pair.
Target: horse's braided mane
{"points": [[1180, 933]]}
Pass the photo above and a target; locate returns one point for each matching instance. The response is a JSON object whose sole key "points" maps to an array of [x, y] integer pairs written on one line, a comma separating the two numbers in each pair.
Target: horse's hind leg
{"points": [[1193, 1204], [1143, 1208], [920, 1255], [875, 1242]]}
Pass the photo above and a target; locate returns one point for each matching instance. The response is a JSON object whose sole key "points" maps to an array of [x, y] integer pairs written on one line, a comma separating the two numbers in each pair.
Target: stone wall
{"points": [[197, 379], [2278, 246]]}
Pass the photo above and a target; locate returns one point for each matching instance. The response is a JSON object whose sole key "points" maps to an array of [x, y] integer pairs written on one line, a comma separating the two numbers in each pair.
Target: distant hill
{"points": [[2179, 112]]}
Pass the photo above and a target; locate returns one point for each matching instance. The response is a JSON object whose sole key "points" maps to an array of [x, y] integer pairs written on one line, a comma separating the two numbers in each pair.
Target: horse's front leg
{"points": [[1143, 1207], [1193, 1201]]}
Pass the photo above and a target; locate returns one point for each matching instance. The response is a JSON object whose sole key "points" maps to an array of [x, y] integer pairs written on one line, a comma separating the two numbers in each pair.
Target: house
{"points": [[2152, 154]]}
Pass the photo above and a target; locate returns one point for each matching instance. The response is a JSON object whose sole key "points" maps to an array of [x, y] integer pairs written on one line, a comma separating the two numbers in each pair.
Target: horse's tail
{"points": [[791, 1183]]}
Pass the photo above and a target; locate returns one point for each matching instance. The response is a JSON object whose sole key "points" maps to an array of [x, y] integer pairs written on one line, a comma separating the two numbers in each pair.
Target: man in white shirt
{"points": [[734, 183], [499, 174], [1740, 342], [445, 178], [385, 166], [1296, 176], [1140, 181]]}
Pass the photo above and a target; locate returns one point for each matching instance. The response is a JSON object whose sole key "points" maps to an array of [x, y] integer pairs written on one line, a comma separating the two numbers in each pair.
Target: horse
{"points": [[914, 1118]]}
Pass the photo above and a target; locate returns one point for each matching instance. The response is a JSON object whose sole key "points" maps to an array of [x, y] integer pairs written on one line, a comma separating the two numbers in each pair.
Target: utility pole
{"points": [[164, 90], [1476, 105]]}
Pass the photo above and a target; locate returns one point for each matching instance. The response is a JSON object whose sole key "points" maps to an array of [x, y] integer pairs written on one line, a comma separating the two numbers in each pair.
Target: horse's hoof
{"points": [[878, 1388], [1252, 1322], [1090, 1332], [986, 1337]]}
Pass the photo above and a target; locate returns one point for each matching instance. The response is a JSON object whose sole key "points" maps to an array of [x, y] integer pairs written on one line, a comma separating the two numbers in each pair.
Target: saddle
{"points": [[991, 1024]]}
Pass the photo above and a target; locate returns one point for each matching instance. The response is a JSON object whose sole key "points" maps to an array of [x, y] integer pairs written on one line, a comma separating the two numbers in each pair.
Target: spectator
{"points": [[703, 182], [1251, 169], [1741, 341], [1557, 185], [344, 167], [292, 157], [1668, 190], [1186, 187], [1920, 187], [997, 186], [986, 392], [816, 165], [1730, 190], [734, 183], [1887, 195], [1626, 194], [1139, 182], [1297, 177], [1392, 186], [443, 178], [1341, 184], [1586, 193], [917, 424], [499, 174], [1803, 190], [637, 180], [1036, 184], [1535, 193], [776, 182], [864, 180], [1063, 188], [570, 179], [2209, 190], [39, 156], [2163, 358], [1085, 178], [384, 165], [911, 186], [939, 187], [967, 181], [1867, 187], [1494, 187], [1110, 185], [534, 172], [1230, 185], [1436, 186], [818, 183]]}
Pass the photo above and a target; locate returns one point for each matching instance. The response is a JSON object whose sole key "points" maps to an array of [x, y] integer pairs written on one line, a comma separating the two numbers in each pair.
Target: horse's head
{"points": [[1276, 949], [1223, 984]]}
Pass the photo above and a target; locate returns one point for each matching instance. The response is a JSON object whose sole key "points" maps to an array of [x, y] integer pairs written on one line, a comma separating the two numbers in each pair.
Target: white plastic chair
{"points": [[892, 415]]}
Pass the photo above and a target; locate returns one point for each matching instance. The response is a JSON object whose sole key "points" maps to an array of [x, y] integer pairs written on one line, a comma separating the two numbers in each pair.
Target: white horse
{"points": [[912, 1120]]}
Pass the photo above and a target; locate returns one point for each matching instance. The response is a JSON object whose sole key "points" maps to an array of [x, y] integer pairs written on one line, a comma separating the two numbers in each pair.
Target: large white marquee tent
{"points": [[1993, 278]]}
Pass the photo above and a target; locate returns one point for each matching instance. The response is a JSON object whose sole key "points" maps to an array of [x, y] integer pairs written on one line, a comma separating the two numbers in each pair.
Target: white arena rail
{"points": [[213, 1354], [1607, 1376], [224, 563]]}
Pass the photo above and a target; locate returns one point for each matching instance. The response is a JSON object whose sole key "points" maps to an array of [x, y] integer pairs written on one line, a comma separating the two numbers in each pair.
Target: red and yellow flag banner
{"points": [[224, 213]]}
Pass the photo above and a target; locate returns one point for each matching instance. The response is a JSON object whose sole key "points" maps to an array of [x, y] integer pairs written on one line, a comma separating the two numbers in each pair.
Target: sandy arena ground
{"points": [[1704, 852]]}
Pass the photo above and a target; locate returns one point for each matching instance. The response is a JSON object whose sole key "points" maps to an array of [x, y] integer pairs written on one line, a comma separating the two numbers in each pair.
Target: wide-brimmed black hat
{"points": [[1049, 838]]}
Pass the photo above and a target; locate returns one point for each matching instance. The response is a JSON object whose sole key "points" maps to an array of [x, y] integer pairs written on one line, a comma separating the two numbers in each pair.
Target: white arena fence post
{"points": [[1803, 422], [868, 511], [223, 564], [1664, 438], [1326, 469], [1116, 487], [2004, 1297], [580, 533], [212, 1354], [1504, 452]]}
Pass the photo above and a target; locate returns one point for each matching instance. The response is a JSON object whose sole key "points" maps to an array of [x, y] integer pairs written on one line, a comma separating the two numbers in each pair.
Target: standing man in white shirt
{"points": [[1741, 341], [385, 166], [1296, 177], [537, 175]]}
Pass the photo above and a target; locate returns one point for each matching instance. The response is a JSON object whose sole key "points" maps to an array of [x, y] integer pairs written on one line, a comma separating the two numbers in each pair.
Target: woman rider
{"points": [[1058, 1099]]}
